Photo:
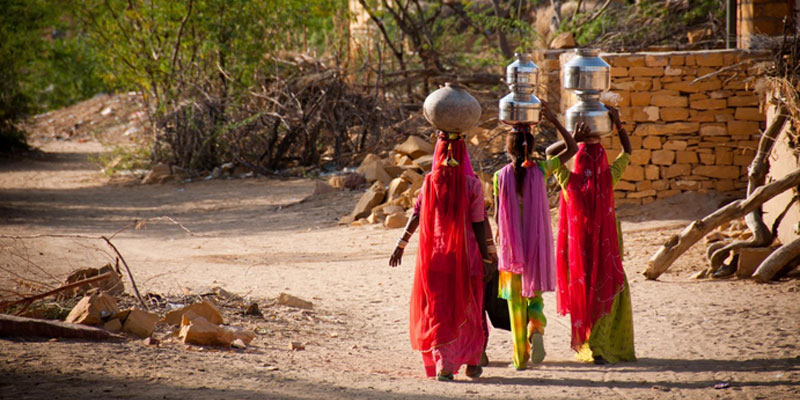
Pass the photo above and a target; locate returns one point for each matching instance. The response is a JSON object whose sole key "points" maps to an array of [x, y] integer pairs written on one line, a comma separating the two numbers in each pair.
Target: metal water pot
{"points": [[451, 109], [590, 111], [522, 108], [587, 72], [522, 75]]}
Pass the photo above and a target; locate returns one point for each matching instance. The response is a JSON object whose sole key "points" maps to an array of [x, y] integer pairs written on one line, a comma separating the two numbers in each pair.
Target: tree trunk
{"points": [[776, 261], [756, 177], [678, 244]]}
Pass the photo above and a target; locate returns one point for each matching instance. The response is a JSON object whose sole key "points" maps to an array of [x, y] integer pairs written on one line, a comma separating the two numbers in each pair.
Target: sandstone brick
{"points": [[685, 184], [686, 157], [702, 71], [675, 145], [634, 173], [668, 193], [651, 142], [723, 115], [644, 185], [700, 116], [660, 184], [724, 156], [677, 60], [708, 104], [638, 86], [645, 71], [625, 186], [737, 128], [713, 129], [720, 94], [651, 112], [641, 194], [656, 83], [749, 114], [669, 114], [673, 71], [640, 99], [640, 156], [742, 100], [667, 129], [669, 101], [717, 171], [736, 84], [652, 60], [707, 158], [675, 170], [662, 157], [689, 60], [626, 61], [648, 200], [617, 72], [743, 159], [687, 86], [724, 185], [698, 96], [710, 58], [619, 195]]}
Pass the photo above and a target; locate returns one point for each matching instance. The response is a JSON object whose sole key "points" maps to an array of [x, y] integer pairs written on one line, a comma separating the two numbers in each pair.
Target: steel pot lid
{"points": [[451, 109]]}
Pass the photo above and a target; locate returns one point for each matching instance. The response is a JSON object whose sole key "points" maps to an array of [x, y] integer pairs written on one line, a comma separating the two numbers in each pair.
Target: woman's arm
{"points": [[397, 255], [489, 265], [569, 141], [624, 140]]}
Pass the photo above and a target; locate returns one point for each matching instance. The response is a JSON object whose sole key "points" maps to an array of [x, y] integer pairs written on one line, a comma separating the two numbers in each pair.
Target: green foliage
{"points": [[124, 158]]}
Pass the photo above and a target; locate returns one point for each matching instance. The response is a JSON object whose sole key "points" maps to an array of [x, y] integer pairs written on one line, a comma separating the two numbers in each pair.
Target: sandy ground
{"points": [[260, 237]]}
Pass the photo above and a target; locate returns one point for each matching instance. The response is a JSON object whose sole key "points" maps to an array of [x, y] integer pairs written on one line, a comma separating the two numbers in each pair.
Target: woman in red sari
{"points": [[446, 307], [592, 287]]}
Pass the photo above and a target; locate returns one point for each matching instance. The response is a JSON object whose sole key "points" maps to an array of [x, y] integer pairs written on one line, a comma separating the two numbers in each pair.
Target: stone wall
{"points": [[686, 136]]}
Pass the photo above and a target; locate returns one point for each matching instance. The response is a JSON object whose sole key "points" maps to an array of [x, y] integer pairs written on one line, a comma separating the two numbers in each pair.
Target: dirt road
{"points": [[259, 237]]}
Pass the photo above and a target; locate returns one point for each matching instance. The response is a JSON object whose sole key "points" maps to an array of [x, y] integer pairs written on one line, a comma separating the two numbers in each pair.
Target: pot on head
{"points": [[451, 109], [517, 109], [522, 75], [592, 112]]}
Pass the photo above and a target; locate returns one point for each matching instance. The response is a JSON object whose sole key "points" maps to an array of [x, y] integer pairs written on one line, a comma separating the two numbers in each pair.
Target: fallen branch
{"points": [[11, 326], [130, 275], [776, 261], [5, 305], [678, 244]]}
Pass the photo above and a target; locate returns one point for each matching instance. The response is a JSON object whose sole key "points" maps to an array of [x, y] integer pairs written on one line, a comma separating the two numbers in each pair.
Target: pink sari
{"points": [[525, 236]]}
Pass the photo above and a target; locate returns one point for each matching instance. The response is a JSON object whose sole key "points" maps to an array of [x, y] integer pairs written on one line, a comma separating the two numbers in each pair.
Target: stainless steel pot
{"points": [[590, 111], [451, 109], [587, 73], [522, 75], [516, 109]]}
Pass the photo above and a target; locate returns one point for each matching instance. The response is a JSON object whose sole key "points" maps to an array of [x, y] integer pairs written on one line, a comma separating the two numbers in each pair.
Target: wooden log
{"points": [[678, 244], [776, 261], [11, 326]]}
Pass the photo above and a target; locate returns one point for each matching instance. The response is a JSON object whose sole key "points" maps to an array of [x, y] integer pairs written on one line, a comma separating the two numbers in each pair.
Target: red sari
{"points": [[447, 294], [589, 267]]}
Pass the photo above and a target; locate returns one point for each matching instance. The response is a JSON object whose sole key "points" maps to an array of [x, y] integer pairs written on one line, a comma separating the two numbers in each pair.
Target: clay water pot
{"points": [[451, 109]]}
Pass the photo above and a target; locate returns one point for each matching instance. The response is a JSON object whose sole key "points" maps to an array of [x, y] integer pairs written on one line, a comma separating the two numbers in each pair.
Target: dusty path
{"points": [[256, 238]]}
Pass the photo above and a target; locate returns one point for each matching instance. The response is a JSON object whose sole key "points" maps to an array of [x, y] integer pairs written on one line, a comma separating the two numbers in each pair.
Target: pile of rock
{"points": [[396, 181], [100, 309]]}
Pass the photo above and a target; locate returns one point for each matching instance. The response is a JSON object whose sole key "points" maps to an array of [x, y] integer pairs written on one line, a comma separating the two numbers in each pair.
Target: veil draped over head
{"points": [[589, 266], [442, 298]]}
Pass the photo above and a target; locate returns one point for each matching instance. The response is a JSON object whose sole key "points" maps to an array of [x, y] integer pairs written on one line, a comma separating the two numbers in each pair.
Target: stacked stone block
{"points": [[686, 136]]}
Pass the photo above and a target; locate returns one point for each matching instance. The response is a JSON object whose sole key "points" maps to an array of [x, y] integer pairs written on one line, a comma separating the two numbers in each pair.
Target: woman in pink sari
{"points": [[525, 238], [446, 307]]}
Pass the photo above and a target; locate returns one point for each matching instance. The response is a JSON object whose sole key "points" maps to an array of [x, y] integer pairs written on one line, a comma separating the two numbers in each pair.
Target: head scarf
{"points": [[589, 267], [525, 238]]}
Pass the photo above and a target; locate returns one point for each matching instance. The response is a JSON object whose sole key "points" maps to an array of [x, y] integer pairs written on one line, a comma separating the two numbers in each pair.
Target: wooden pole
{"points": [[776, 261]]}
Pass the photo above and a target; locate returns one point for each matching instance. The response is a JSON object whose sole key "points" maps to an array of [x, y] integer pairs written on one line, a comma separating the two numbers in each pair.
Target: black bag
{"points": [[496, 307]]}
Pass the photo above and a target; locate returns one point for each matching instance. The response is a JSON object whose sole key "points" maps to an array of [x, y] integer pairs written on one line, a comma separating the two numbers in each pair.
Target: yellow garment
{"points": [[526, 315], [612, 334]]}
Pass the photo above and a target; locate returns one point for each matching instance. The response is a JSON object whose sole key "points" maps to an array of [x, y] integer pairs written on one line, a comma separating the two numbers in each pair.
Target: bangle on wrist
{"points": [[492, 249], [487, 261], [402, 243]]}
